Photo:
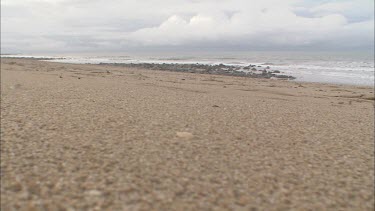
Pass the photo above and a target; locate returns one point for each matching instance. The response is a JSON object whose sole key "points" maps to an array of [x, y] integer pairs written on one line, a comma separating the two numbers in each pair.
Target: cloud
{"points": [[82, 25], [270, 26], [351, 9]]}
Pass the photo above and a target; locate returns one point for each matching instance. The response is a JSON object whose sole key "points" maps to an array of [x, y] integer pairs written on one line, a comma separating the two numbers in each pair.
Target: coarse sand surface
{"points": [[96, 137]]}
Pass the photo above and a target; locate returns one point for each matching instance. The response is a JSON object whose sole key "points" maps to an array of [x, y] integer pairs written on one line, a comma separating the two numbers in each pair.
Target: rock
{"points": [[285, 76], [219, 69]]}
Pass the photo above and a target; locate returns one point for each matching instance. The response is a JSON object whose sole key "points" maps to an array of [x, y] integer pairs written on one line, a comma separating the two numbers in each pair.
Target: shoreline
{"points": [[207, 69], [257, 70], [251, 71]]}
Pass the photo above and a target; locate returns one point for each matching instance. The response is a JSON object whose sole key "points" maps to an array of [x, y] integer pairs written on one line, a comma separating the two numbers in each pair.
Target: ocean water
{"points": [[355, 68]]}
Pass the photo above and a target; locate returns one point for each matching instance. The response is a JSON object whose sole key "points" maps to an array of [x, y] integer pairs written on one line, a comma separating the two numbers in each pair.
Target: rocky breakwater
{"points": [[251, 71]]}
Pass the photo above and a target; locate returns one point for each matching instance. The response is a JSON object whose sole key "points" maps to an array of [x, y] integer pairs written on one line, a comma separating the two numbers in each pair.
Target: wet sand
{"points": [[94, 137]]}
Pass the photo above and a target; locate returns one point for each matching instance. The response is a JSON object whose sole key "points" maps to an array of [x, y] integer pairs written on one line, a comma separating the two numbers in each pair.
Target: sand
{"points": [[90, 137]]}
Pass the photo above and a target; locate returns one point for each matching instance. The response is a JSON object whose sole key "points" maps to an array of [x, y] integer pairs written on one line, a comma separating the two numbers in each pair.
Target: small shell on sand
{"points": [[94, 193], [16, 86], [186, 135]]}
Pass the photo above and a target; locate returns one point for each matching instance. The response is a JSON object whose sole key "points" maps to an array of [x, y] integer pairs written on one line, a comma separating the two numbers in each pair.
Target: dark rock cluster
{"points": [[251, 71]]}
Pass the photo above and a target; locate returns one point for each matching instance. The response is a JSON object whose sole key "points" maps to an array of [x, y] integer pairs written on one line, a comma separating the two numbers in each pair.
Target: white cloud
{"points": [[82, 25], [351, 9], [277, 26]]}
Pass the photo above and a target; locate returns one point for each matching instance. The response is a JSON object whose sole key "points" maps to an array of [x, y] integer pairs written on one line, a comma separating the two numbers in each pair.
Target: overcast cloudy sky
{"points": [[29, 26]]}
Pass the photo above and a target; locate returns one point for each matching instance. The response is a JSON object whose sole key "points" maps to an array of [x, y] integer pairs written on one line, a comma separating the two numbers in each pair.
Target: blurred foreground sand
{"points": [[86, 137]]}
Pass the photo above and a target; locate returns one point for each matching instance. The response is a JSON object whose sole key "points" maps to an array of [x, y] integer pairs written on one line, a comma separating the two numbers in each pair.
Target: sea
{"points": [[354, 68]]}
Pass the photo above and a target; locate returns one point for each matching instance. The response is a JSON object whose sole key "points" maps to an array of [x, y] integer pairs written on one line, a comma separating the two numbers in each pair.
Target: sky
{"points": [[38, 26]]}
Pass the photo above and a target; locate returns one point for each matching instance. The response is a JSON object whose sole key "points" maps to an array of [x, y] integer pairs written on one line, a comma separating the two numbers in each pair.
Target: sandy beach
{"points": [[97, 137]]}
